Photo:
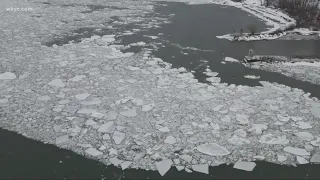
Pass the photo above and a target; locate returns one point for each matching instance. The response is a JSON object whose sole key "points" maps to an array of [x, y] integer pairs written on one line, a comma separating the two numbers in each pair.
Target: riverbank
{"points": [[281, 25]]}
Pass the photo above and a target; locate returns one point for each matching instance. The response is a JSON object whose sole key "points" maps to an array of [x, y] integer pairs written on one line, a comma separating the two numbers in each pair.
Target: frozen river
{"points": [[187, 40]]}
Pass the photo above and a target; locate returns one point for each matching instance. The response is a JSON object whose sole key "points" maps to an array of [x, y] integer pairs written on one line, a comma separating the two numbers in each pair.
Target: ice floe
{"points": [[202, 168], [170, 140], [302, 160], [7, 76], [305, 136], [107, 127], [230, 59], [164, 166], [62, 139], [125, 165], [315, 158], [129, 113], [118, 137], [186, 158], [115, 161], [213, 149], [245, 166], [57, 83], [316, 142], [296, 151], [147, 107], [272, 139], [252, 77], [93, 152]]}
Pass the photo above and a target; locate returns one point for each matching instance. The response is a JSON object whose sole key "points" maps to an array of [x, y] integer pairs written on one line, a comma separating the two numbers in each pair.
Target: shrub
{"points": [[252, 29]]}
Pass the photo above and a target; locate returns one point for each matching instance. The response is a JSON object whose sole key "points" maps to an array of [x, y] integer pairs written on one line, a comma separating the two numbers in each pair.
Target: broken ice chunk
{"points": [[316, 142], [164, 129], [302, 160], [93, 152], [101, 148], [202, 168], [118, 137], [242, 119], [303, 125], [132, 68], [283, 118], [187, 170], [272, 139], [211, 73], [179, 168], [115, 161], [213, 79], [90, 122], [296, 151], [147, 107], [186, 158], [111, 115], [238, 141], [129, 113], [258, 128], [251, 77], [106, 137], [57, 83], [215, 126], [315, 109], [43, 98], [125, 164], [164, 166], [3, 101], [77, 78], [240, 133], [246, 166], [315, 158], [259, 157], [62, 139], [213, 149], [92, 102], [7, 76], [97, 115], [57, 128], [230, 59], [170, 140], [281, 158], [82, 96], [107, 127], [305, 136]]}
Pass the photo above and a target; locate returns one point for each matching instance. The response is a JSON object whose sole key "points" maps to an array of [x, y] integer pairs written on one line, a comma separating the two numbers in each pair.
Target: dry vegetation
{"points": [[306, 12]]}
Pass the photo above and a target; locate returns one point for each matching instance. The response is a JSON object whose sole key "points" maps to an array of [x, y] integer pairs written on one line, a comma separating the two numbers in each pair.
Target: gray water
{"points": [[192, 26]]}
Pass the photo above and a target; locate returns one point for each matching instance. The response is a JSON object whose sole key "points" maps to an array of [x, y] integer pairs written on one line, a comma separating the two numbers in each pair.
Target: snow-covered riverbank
{"points": [[278, 21], [135, 111]]}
